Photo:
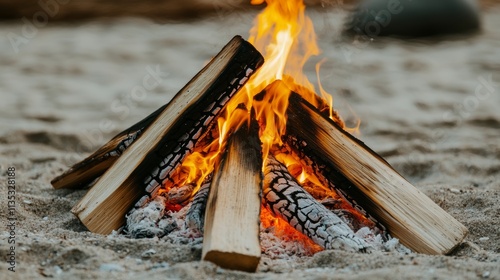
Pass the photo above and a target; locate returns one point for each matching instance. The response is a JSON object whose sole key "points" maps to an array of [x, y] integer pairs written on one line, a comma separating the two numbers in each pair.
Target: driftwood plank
{"points": [[407, 213], [140, 170], [231, 236]]}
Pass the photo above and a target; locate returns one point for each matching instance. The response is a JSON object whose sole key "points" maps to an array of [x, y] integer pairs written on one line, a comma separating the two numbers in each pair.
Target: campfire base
{"points": [[147, 160]]}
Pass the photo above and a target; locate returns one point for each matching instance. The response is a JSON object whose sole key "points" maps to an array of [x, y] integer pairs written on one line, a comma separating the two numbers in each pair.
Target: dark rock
{"points": [[413, 18]]}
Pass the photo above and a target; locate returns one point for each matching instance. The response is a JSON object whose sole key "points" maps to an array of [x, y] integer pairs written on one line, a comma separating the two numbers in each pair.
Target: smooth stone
{"points": [[413, 18]]}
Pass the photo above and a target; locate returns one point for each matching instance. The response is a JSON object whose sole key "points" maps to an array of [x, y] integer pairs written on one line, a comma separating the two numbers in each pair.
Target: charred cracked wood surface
{"points": [[141, 169], [336, 182], [195, 216], [86, 171], [284, 196], [408, 214], [232, 217], [178, 191]]}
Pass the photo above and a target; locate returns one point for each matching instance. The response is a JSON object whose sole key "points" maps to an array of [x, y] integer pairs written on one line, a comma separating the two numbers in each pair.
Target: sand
{"points": [[429, 107]]}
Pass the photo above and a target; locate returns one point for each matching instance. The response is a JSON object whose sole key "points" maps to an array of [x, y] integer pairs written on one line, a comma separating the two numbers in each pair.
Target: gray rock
{"points": [[413, 18]]}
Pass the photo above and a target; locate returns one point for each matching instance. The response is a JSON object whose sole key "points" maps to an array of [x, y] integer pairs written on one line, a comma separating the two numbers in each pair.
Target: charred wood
{"points": [[195, 217], [284, 196]]}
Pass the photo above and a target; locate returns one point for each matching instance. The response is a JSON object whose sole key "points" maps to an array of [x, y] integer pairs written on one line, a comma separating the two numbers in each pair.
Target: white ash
{"points": [[153, 220], [282, 247], [182, 234], [146, 221], [377, 242]]}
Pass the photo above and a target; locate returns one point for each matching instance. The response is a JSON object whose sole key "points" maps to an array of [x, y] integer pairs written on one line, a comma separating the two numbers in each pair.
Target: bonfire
{"points": [[247, 154]]}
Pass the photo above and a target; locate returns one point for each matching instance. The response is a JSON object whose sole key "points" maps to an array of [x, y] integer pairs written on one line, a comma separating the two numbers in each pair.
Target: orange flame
{"points": [[285, 36], [285, 231]]}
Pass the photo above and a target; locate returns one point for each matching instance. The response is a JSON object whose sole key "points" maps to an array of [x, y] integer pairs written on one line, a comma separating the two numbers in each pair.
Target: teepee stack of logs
{"points": [[133, 165]]}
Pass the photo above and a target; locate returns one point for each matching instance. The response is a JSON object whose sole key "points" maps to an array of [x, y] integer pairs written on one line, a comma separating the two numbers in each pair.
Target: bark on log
{"points": [[149, 161], [408, 214], [231, 236], [285, 198]]}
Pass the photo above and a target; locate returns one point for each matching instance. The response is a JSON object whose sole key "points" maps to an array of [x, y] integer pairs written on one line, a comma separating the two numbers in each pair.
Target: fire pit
{"points": [[248, 151]]}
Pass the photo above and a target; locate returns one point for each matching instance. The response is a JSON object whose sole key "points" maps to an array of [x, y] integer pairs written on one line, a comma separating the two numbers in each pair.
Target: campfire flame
{"points": [[285, 36]]}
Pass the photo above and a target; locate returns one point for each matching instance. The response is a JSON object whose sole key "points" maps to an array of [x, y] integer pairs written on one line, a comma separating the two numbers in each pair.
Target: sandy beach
{"points": [[429, 107]]}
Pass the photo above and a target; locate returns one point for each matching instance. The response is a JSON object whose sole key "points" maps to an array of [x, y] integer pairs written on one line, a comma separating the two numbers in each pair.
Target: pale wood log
{"points": [[408, 214], [140, 170], [231, 235]]}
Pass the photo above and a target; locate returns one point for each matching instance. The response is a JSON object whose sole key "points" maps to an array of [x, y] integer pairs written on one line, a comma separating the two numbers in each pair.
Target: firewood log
{"points": [[285, 198], [408, 214], [231, 236], [140, 170], [335, 182]]}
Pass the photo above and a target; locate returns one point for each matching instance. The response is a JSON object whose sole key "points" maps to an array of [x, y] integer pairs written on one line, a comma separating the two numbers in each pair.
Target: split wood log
{"points": [[408, 214], [140, 170], [325, 175], [86, 171], [231, 236], [285, 198]]}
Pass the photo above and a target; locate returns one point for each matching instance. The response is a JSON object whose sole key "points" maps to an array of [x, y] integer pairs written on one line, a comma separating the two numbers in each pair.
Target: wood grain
{"points": [[231, 237]]}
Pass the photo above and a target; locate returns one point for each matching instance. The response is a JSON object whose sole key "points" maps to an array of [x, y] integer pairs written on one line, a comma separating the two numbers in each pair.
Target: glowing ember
{"points": [[271, 225]]}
